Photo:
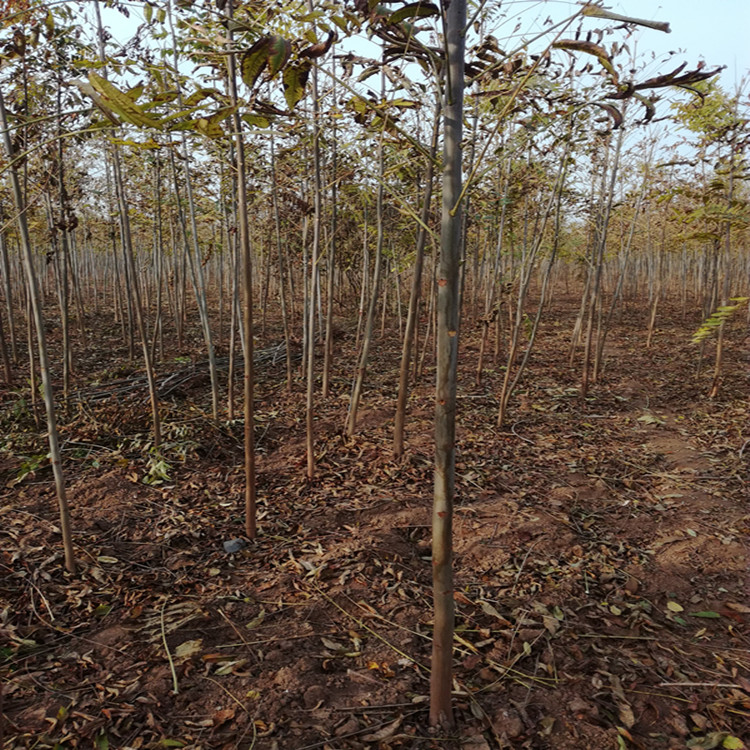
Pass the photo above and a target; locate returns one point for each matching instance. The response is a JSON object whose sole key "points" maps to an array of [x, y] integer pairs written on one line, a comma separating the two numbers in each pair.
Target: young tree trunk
{"points": [[280, 261], [526, 271], [384, 308], [331, 260], [33, 384], [416, 288], [364, 286], [317, 219], [247, 283], [598, 359], [158, 336], [194, 258], [601, 244], [8, 290], [127, 244], [127, 247], [235, 306], [351, 421], [4, 354], [448, 305], [36, 306], [493, 310]]}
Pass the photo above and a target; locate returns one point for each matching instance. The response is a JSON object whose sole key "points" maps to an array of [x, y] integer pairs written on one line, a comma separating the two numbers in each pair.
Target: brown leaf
{"points": [[387, 731], [221, 717]]}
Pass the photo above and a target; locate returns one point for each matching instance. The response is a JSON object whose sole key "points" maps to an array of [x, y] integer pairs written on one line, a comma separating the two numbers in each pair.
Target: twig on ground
{"points": [[175, 687]]}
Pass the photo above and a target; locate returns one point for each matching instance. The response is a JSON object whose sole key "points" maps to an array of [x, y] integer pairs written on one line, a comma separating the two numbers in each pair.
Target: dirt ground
{"points": [[601, 560]]}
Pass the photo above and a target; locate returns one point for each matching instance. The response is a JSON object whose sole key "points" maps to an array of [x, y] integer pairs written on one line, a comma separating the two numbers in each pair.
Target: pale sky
{"points": [[717, 31]]}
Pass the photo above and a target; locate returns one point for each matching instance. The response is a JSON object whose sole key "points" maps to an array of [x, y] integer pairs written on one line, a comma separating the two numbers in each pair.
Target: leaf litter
{"points": [[588, 615]]}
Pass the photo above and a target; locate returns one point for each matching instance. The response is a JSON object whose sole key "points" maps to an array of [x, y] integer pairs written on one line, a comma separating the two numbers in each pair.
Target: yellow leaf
{"points": [[188, 648]]}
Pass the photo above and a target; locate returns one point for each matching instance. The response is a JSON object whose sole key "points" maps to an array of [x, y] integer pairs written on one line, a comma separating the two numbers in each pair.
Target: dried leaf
{"points": [[257, 620], [188, 648], [598, 12], [384, 733], [222, 716]]}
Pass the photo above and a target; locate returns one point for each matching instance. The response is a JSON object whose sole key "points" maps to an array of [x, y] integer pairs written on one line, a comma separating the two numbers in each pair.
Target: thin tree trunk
{"points": [[331, 262], [412, 316], [4, 354], [280, 261], [317, 219], [363, 288], [8, 291], [351, 422], [448, 307], [247, 283], [601, 244], [36, 306], [192, 248]]}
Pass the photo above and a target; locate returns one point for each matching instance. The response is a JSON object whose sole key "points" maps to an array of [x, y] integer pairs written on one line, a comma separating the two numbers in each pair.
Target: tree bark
{"points": [[247, 284], [416, 289], [448, 305], [36, 306]]}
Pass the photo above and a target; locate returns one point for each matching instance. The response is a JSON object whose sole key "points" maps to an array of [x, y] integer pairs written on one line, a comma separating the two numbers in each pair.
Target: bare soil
{"points": [[601, 561]]}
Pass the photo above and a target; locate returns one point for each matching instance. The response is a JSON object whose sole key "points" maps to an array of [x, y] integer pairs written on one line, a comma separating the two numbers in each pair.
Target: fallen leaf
{"points": [[222, 716], [188, 648], [384, 733]]}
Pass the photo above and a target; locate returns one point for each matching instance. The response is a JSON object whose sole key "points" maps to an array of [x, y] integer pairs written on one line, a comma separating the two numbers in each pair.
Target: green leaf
{"points": [[705, 743], [406, 103], [279, 50], [257, 620], [255, 60], [165, 96], [708, 614], [121, 104], [341, 23], [733, 743], [414, 10], [367, 72], [256, 121], [295, 79], [197, 97], [101, 742], [148, 12]]}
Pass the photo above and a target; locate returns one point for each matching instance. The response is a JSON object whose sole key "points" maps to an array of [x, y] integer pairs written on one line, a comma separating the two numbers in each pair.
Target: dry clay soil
{"points": [[600, 554]]}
